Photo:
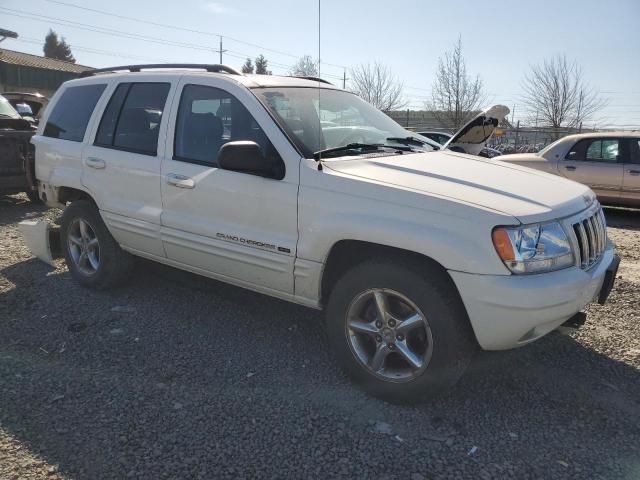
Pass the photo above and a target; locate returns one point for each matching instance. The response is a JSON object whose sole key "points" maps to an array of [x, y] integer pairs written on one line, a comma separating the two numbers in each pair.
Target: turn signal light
{"points": [[502, 244]]}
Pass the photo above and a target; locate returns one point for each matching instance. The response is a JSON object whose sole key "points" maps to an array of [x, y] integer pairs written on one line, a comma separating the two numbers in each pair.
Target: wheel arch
{"points": [[71, 194], [345, 254]]}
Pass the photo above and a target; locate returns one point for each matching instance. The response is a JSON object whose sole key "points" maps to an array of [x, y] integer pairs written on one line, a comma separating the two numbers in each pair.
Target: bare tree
{"points": [[557, 94], [455, 95], [305, 67], [376, 84]]}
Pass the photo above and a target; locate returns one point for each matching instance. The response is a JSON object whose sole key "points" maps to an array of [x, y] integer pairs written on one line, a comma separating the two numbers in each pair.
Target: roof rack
{"points": [[214, 68], [315, 79]]}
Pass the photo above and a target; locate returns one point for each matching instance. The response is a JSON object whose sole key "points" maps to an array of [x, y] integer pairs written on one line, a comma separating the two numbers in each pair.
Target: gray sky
{"points": [[500, 40]]}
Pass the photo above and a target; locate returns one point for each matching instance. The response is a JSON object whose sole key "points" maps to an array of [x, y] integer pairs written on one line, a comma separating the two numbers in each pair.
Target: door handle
{"points": [[96, 163], [180, 181], [634, 172], [570, 168]]}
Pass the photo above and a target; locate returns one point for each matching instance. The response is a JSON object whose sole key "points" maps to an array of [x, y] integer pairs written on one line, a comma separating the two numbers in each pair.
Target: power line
{"points": [[96, 51], [184, 29], [144, 38]]}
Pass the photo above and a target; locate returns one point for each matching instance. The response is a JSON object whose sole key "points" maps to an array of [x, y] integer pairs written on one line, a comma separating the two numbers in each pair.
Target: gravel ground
{"points": [[174, 375]]}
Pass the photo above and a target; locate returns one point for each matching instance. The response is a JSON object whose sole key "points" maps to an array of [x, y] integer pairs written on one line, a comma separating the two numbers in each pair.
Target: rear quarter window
{"points": [[71, 113]]}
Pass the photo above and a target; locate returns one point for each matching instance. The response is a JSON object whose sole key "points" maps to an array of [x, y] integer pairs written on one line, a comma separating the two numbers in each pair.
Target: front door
{"points": [[121, 165], [235, 226], [596, 162], [631, 181]]}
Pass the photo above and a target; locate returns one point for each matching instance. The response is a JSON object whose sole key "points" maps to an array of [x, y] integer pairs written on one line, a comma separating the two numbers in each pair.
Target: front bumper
{"points": [[508, 311]]}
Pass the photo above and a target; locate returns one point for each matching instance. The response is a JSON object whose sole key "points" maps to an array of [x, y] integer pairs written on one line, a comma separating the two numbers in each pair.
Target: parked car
{"points": [[608, 162], [417, 256], [29, 105], [16, 153], [442, 138]]}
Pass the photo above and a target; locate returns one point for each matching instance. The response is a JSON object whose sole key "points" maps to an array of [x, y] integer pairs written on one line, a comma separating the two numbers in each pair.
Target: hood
{"points": [[474, 135], [526, 194], [35, 101], [519, 157], [530, 160]]}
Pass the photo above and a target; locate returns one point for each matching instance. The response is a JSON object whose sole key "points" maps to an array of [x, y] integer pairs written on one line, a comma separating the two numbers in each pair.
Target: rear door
{"points": [[121, 166], [631, 181], [598, 163]]}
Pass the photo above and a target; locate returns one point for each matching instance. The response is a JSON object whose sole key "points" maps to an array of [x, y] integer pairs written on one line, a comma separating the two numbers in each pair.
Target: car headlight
{"points": [[533, 248]]}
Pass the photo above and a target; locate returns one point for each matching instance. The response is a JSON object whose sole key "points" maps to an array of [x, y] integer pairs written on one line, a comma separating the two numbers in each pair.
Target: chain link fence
{"points": [[507, 139]]}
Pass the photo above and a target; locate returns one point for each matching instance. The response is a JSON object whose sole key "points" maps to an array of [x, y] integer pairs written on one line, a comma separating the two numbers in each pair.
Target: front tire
{"points": [[400, 331], [92, 255]]}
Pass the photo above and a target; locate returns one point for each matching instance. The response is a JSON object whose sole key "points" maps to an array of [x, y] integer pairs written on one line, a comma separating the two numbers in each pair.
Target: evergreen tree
{"points": [[262, 66], [248, 66], [57, 48]]}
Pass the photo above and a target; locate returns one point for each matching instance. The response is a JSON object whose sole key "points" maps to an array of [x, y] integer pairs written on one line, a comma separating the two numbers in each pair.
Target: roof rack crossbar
{"points": [[213, 68], [315, 79]]}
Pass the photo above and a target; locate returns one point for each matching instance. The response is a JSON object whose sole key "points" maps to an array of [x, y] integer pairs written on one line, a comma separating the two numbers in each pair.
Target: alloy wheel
{"points": [[389, 335]]}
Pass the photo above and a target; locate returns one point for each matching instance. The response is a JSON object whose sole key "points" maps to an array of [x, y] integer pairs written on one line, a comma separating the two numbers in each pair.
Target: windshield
{"points": [[548, 147], [319, 119], [6, 110]]}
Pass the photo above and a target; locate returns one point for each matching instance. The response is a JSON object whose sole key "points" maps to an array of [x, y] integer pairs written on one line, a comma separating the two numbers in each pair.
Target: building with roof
{"points": [[24, 72]]}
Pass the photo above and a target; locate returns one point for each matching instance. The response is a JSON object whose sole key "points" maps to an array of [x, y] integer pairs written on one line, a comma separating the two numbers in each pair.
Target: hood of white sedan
{"points": [[526, 194]]}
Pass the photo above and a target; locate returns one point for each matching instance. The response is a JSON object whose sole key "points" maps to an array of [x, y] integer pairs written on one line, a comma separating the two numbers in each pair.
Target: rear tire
{"points": [[93, 257], [421, 360], [34, 197]]}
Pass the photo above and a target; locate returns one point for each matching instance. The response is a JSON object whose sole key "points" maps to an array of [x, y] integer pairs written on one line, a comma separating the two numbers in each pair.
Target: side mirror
{"points": [[244, 156]]}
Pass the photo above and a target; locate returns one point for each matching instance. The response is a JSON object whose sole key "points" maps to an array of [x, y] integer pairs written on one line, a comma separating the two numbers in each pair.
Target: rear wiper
{"points": [[357, 146]]}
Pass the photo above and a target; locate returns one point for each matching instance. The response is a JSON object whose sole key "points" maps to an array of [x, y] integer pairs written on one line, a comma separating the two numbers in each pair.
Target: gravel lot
{"points": [[174, 375]]}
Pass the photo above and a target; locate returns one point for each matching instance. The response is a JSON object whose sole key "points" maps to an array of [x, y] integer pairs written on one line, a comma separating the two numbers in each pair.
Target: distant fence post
{"points": [[517, 131]]}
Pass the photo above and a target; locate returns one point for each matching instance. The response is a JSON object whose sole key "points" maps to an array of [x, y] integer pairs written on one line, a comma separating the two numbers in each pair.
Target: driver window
{"points": [[208, 118]]}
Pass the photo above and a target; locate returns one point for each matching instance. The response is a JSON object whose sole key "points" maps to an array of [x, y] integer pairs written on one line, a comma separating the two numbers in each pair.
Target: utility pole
{"points": [[220, 50], [344, 79]]}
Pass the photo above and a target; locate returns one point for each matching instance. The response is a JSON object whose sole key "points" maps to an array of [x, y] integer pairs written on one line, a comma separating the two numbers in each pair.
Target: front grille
{"points": [[591, 235]]}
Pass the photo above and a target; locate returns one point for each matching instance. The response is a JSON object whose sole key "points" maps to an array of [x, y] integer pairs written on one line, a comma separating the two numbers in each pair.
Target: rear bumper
{"points": [[509, 311]]}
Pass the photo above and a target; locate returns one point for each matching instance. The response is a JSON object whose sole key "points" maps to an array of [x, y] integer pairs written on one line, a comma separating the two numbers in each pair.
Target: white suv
{"points": [[297, 189]]}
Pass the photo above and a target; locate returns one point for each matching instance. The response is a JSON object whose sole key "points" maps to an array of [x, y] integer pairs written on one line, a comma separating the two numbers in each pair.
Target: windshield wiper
{"points": [[358, 146], [408, 140]]}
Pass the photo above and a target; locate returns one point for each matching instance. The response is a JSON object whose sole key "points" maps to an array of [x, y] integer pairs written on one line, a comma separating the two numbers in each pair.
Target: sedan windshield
{"points": [[318, 119]]}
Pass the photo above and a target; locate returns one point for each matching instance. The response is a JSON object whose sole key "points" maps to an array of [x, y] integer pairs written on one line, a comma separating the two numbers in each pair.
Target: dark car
{"points": [[16, 152]]}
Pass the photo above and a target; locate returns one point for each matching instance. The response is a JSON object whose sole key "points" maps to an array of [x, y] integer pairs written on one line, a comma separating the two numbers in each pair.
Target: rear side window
{"points": [[132, 118], [71, 114], [110, 116], [595, 150]]}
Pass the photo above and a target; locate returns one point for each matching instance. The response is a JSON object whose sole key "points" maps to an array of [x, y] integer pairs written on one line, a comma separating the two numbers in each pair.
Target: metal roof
{"points": [[35, 61]]}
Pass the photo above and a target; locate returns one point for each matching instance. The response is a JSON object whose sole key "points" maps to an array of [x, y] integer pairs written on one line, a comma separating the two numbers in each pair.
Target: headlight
{"points": [[533, 248]]}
